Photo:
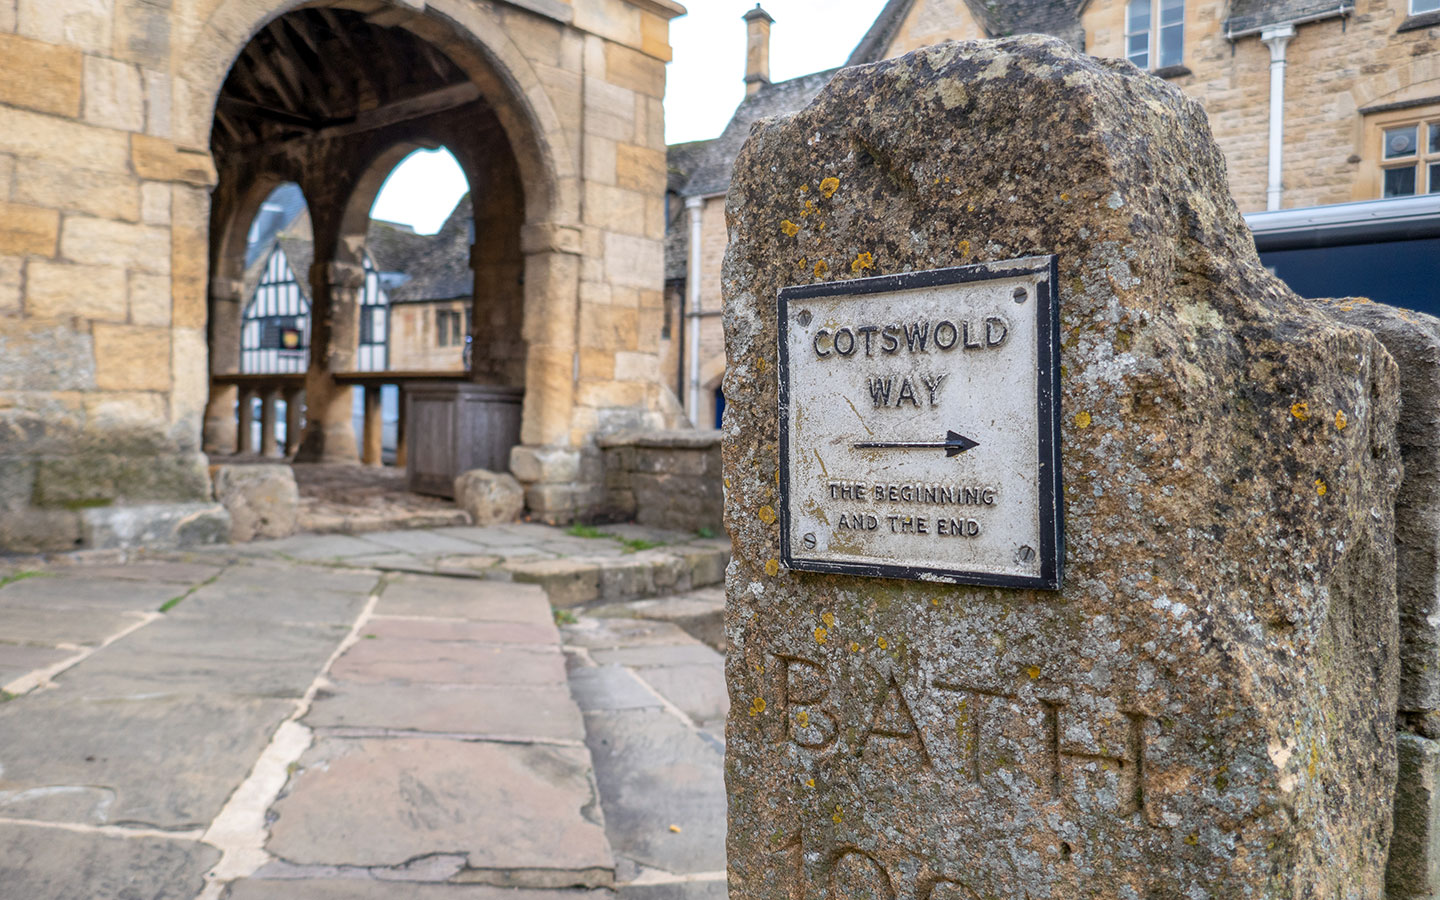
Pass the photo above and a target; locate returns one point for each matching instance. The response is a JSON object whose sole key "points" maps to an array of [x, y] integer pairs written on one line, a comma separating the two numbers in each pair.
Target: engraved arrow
{"points": [[954, 444]]}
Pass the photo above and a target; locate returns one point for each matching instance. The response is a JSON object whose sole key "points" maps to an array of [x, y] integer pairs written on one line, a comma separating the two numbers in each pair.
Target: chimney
{"points": [[757, 49]]}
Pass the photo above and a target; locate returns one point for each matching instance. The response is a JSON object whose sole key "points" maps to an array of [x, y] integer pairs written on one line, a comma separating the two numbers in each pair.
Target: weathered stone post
{"points": [[1205, 707]]}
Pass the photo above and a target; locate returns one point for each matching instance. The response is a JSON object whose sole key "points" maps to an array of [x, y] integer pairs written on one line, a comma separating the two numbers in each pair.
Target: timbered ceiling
{"points": [[330, 71]]}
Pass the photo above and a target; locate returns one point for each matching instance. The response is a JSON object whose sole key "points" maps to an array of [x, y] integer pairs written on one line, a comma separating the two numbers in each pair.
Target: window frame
{"points": [[1411, 5], [1422, 161], [1154, 30]]}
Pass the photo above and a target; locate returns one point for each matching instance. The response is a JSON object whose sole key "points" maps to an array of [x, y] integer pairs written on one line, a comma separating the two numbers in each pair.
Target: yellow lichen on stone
{"points": [[804, 261], [772, 567], [789, 227], [882, 643], [757, 706], [1300, 410], [1082, 420], [821, 635], [1032, 671], [862, 262], [964, 248], [1320, 487], [829, 186], [821, 268], [828, 619], [808, 209], [802, 718], [838, 816], [765, 514], [809, 782], [1064, 197], [1340, 420], [854, 646]]}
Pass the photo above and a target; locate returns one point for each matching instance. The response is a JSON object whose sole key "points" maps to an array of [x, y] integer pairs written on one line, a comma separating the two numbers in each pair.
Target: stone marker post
{"points": [[1205, 705]]}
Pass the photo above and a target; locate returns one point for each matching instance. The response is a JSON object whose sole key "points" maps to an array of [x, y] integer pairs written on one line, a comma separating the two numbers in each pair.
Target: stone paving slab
{"points": [[54, 864], [510, 712], [71, 592], [311, 547], [433, 629], [161, 762], [421, 541], [654, 771], [608, 634], [607, 688], [16, 661], [701, 613], [25, 625], [459, 598], [172, 571], [690, 653], [711, 889], [507, 807], [177, 655], [697, 690], [372, 889], [439, 662], [279, 595]]}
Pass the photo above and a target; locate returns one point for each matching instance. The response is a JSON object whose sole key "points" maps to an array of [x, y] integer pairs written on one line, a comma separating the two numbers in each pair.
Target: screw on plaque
{"points": [[1020, 295], [1025, 554], [803, 317], [809, 539]]}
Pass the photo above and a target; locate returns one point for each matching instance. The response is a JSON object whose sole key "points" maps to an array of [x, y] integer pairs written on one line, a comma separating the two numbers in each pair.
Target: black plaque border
{"points": [[1047, 409]]}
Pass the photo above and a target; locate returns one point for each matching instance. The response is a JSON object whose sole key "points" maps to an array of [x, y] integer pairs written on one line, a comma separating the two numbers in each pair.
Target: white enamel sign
{"points": [[919, 426]]}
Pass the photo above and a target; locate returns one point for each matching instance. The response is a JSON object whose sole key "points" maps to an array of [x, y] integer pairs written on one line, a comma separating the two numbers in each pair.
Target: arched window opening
{"points": [[421, 229]]}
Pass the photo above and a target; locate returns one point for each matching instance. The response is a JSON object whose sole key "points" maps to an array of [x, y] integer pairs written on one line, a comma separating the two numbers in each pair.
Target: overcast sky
{"points": [[704, 84]]}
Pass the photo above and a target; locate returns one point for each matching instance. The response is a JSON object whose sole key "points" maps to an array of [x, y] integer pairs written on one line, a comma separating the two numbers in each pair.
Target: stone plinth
{"points": [[665, 479], [1206, 707]]}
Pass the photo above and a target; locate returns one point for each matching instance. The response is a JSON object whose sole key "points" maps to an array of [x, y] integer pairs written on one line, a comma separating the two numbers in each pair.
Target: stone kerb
{"points": [[1206, 708]]}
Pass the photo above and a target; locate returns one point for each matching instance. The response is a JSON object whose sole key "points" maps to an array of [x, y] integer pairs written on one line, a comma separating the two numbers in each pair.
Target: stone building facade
{"points": [[1349, 72], [138, 139]]}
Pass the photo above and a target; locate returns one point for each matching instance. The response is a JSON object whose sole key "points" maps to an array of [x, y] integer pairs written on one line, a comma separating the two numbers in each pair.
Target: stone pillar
{"points": [[221, 435], [1205, 707], [402, 439], [373, 442], [329, 433], [226, 308], [294, 421], [552, 280], [268, 446], [244, 417]]}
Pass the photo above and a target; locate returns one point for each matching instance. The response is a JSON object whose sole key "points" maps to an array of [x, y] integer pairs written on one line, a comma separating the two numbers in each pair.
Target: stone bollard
{"points": [[1171, 671], [263, 500], [491, 498]]}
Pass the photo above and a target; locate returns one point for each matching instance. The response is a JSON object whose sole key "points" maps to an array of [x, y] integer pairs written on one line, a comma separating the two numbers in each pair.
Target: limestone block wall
{"points": [[102, 282], [1334, 70], [665, 479], [106, 244]]}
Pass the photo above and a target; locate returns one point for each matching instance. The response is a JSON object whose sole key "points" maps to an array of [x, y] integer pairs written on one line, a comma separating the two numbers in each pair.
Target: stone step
{"points": [[699, 613]]}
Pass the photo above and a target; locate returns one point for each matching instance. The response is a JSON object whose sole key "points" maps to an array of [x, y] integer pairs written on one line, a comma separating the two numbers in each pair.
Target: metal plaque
{"points": [[919, 426]]}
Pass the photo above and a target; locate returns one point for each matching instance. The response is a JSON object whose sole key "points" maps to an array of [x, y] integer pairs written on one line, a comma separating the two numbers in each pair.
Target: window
{"points": [[1423, 6], [1164, 46], [447, 328], [1410, 158]]}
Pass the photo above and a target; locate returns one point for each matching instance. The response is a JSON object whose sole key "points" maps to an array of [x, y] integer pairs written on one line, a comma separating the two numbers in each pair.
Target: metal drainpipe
{"points": [[695, 206], [1276, 37]]}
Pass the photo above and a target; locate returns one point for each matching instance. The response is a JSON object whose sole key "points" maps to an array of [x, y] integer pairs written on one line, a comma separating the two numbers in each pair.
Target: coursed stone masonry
{"points": [[1206, 707], [118, 234]]}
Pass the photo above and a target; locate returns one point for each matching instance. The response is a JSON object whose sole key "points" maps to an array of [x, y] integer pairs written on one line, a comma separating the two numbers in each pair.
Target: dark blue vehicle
{"points": [[1386, 250]]}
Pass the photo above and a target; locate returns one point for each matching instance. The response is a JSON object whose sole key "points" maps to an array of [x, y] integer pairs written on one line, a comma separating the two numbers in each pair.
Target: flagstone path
{"points": [[387, 715]]}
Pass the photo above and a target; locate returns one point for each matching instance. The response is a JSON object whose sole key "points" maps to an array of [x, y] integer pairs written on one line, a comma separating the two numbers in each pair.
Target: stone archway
{"points": [[359, 132]]}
